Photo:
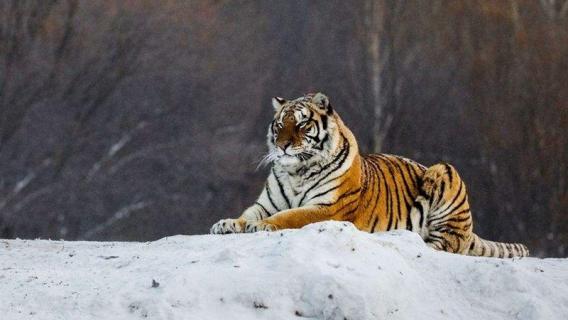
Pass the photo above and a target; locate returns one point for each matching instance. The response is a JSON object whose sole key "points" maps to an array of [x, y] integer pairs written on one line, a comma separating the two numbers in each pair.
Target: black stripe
{"points": [[399, 212], [517, 249], [449, 172], [450, 206], [400, 169], [377, 185], [441, 242], [364, 176], [509, 248], [327, 191], [421, 191], [456, 219], [267, 187], [389, 211], [281, 187], [263, 208], [344, 195], [501, 249], [405, 193], [346, 155], [459, 244], [349, 213], [408, 221], [316, 138], [464, 199], [316, 184], [388, 194], [345, 205], [319, 146], [453, 219], [339, 155], [418, 205], [337, 158], [442, 192], [408, 188], [368, 187], [436, 237], [430, 197], [378, 169], [462, 212], [465, 227], [450, 231], [375, 223], [397, 195], [417, 175]]}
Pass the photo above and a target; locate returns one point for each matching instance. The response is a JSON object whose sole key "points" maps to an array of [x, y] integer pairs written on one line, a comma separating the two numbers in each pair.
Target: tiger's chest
{"points": [[292, 188], [295, 186], [297, 189]]}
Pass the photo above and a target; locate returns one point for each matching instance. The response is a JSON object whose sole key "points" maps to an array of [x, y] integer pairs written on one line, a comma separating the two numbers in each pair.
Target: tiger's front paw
{"points": [[254, 226], [226, 226]]}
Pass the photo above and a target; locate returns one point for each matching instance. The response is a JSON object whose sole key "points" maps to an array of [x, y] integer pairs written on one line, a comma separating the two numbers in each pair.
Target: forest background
{"points": [[134, 120]]}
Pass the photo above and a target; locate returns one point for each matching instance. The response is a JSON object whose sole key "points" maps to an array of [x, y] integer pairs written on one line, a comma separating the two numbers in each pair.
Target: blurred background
{"points": [[134, 120]]}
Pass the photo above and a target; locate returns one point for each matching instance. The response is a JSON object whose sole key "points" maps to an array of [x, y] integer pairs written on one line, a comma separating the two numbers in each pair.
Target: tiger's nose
{"points": [[284, 145]]}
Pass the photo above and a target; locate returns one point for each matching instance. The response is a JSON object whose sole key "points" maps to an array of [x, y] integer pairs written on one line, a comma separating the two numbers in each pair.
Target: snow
{"points": [[327, 270]]}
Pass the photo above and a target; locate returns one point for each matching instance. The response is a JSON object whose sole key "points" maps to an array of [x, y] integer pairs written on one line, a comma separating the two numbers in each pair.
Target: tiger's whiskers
{"points": [[267, 159]]}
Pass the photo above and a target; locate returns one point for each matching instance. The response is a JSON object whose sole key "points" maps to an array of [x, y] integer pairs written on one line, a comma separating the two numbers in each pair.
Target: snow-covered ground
{"points": [[323, 271]]}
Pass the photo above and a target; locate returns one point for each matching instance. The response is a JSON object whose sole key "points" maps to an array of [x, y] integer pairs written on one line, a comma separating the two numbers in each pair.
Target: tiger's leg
{"points": [[256, 212], [291, 218], [443, 197]]}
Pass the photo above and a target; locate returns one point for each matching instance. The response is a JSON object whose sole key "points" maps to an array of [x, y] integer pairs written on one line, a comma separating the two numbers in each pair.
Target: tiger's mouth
{"points": [[302, 153], [292, 157], [288, 160], [300, 156]]}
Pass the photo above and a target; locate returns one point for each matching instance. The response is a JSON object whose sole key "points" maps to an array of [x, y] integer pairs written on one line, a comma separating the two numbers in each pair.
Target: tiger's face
{"points": [[301, 129]]}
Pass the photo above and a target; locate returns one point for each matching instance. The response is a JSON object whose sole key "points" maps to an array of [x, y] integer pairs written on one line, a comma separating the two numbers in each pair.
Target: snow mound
{"points": [[326, 270]]}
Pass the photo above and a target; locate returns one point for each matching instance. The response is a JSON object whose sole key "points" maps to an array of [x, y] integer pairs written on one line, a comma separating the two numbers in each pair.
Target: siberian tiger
{"points": [[318, 174]]}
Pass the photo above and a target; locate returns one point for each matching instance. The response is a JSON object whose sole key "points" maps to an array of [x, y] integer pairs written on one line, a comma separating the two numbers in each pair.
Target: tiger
{"points": [[318, 174]]}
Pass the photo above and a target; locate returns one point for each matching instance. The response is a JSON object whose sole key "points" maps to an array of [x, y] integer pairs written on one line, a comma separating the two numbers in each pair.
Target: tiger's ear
{"points": [[277, 102], [323, 101]]}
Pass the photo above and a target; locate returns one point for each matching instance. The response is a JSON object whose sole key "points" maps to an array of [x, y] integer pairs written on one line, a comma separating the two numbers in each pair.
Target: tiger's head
{"points": [[303, 131]]}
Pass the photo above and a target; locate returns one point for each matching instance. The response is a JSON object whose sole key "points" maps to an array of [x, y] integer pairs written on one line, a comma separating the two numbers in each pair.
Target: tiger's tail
{"points": [[485, 248]]}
